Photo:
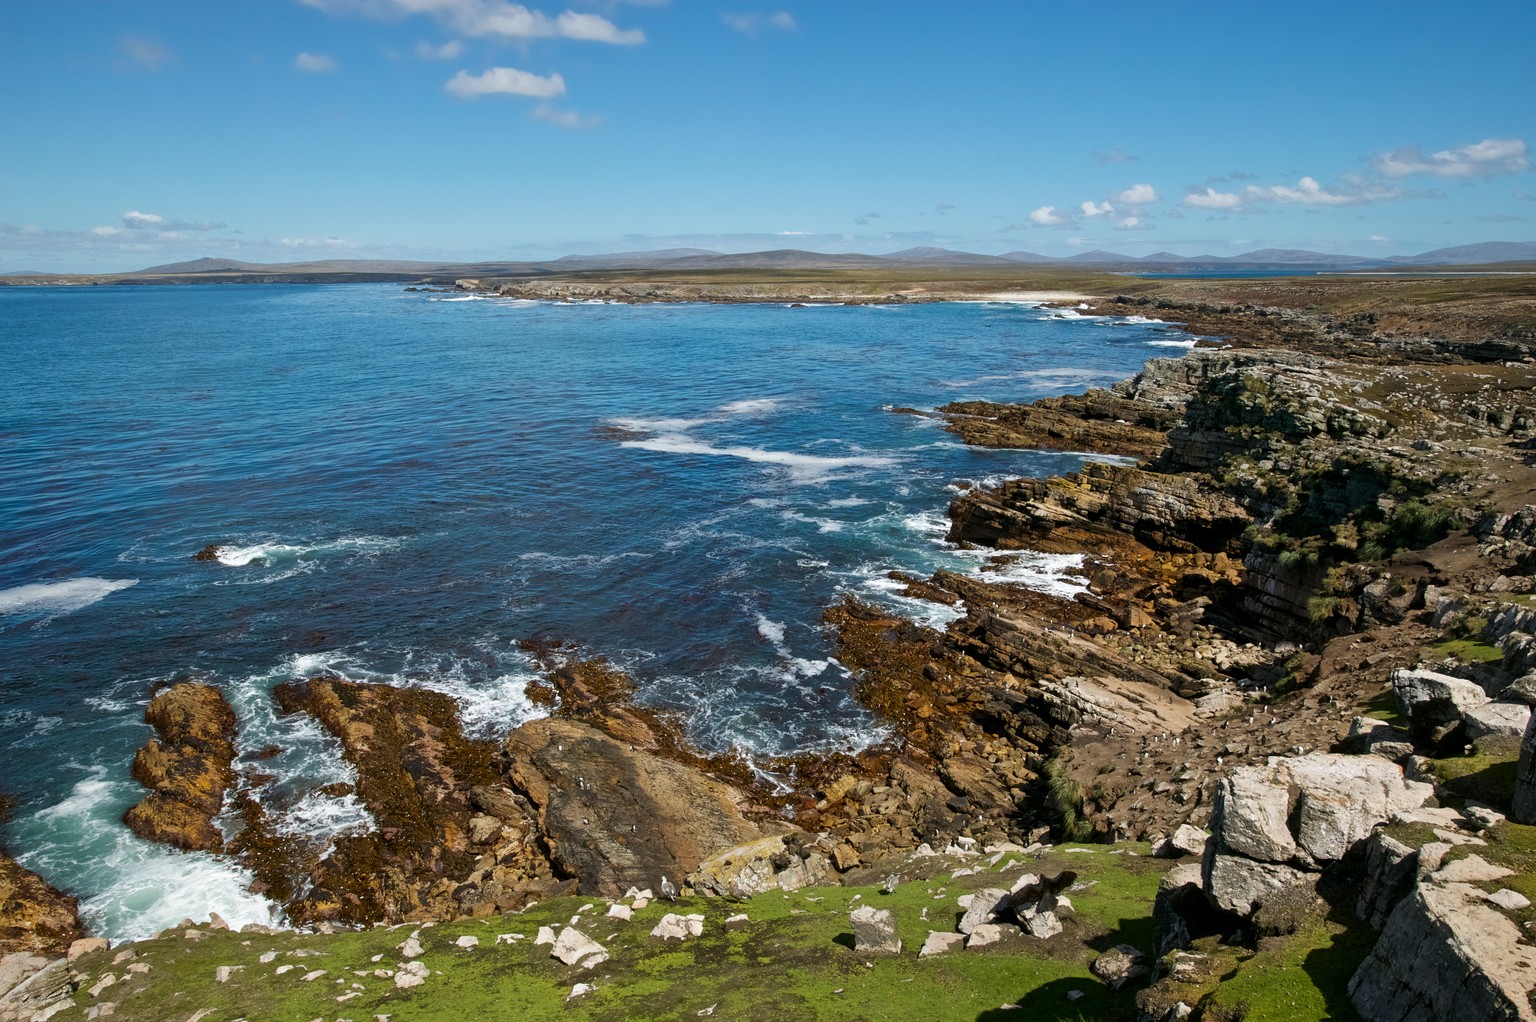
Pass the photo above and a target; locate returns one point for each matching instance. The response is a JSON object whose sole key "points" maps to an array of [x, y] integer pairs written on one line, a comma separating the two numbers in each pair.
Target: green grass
{"points": [[1470, 651], [794, 961], [1487, 775]]}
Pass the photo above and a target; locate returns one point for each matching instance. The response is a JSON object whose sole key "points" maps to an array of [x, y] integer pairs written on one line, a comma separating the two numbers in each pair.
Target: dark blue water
{"points": [[404, 486]]}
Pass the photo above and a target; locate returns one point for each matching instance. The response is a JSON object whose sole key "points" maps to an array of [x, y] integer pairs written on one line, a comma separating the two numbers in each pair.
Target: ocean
{"points": [[406, 485]]}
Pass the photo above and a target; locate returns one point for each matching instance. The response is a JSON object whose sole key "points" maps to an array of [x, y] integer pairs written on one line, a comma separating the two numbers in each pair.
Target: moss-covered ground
{"points": [[794, 959]]}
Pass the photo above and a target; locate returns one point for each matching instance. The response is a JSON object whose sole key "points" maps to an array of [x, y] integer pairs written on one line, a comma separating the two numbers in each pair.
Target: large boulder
{"points": [[1446, 956], [874, 931], [1504, 719], [1240, 885], [1433, 700], [1390, 870], [616, 815], [1308, 810], [780, 863]]}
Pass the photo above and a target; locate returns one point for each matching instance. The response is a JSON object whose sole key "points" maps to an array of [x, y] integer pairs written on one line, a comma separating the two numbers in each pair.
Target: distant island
{"points": [[1484, 257]]}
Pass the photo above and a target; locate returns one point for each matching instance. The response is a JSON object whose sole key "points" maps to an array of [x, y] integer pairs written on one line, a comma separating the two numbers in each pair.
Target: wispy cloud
{"points": [[1491, 157], [1307, 192], [1114, 156], [564, 118], [1138, 195], [752, 24], [134, 220], [943, 208], [1133, 223], [481, 19], [447, 51], [505, 81], [314, 63], [142, 53]]}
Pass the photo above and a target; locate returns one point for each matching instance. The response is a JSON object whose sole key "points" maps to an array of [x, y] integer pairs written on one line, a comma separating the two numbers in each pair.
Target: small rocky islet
{"points": [[1278, 757]]}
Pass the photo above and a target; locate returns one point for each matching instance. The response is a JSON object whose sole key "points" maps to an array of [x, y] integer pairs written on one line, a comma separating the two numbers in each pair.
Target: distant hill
{"points": [[1474, 255], [929, 256], [203, 265], [701, 259]]}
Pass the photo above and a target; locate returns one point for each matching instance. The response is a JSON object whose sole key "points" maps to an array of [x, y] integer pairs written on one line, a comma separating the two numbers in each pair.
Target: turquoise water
{"points": [[405, 485]]}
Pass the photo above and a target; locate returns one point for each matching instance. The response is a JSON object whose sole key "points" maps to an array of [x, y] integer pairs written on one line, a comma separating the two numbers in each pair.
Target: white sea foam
{"points": [[326, 816], [1189, 342], [848, 502], [822, 524], [64, 597], [143, 887], [752, 406], [1052, 574], [1052, 379], [773, 631], [272, 552], [801, 467]]}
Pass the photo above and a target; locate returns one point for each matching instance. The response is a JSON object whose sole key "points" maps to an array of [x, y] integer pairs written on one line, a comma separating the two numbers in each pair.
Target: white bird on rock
{"points": [[667, 890]]}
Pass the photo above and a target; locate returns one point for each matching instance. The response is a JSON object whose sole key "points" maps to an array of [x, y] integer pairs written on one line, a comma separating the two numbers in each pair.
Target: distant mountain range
{"points": [[1490, 253]]}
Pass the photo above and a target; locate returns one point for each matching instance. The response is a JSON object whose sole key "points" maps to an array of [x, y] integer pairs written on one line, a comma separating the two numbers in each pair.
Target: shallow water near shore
{"points": [[404, 486]]}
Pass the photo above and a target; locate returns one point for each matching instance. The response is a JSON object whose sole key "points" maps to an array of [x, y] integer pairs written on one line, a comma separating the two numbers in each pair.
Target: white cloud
{"points": [[505, 80], [105, 232], [1491, 157], [1133, 223], [1212, 199], [315, 63], [1091, 208], [1309, 193], [751, 24], [1377, 238], [133, 218], [448, 51], [481, 19], [593, 29], [1138, 195], [564, 118], [1046, 216]]}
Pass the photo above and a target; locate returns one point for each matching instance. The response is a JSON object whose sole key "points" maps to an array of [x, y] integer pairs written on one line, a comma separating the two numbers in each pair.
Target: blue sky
{"points": [[136, 132]]}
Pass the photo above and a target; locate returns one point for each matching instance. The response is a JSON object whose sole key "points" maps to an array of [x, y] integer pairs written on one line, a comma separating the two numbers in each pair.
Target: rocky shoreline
{"points": [[1308, 576]]}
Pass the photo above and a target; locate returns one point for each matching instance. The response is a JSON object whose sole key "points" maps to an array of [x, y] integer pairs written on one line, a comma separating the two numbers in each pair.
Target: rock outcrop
{"points": [[449, 839], [35, 918], [1444, 956], [615, 816], [187, 769], [1523, 808]]}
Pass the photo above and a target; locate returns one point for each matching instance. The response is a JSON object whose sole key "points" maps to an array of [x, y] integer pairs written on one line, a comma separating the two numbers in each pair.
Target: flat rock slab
{"points": [[873, 930], [575, 948], [939, 942], [1473, 869]]}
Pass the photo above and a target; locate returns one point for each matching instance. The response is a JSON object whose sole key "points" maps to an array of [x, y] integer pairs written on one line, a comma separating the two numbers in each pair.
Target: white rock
{"points": [[678, 927], [268, 957], [580, 990], [618, 911], [224, 972], [284, 968], [311, 976], [939, 942], [575, 948], [1474, 869], [982, 908], [468, 941], [1508, 719], [509, 938], [544, 936], [1512, 901], [410, 948], [984, 934], [874, 931]]}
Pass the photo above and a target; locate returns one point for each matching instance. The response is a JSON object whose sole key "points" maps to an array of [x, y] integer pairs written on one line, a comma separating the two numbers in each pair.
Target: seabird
{"points": [[668, 891]]}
